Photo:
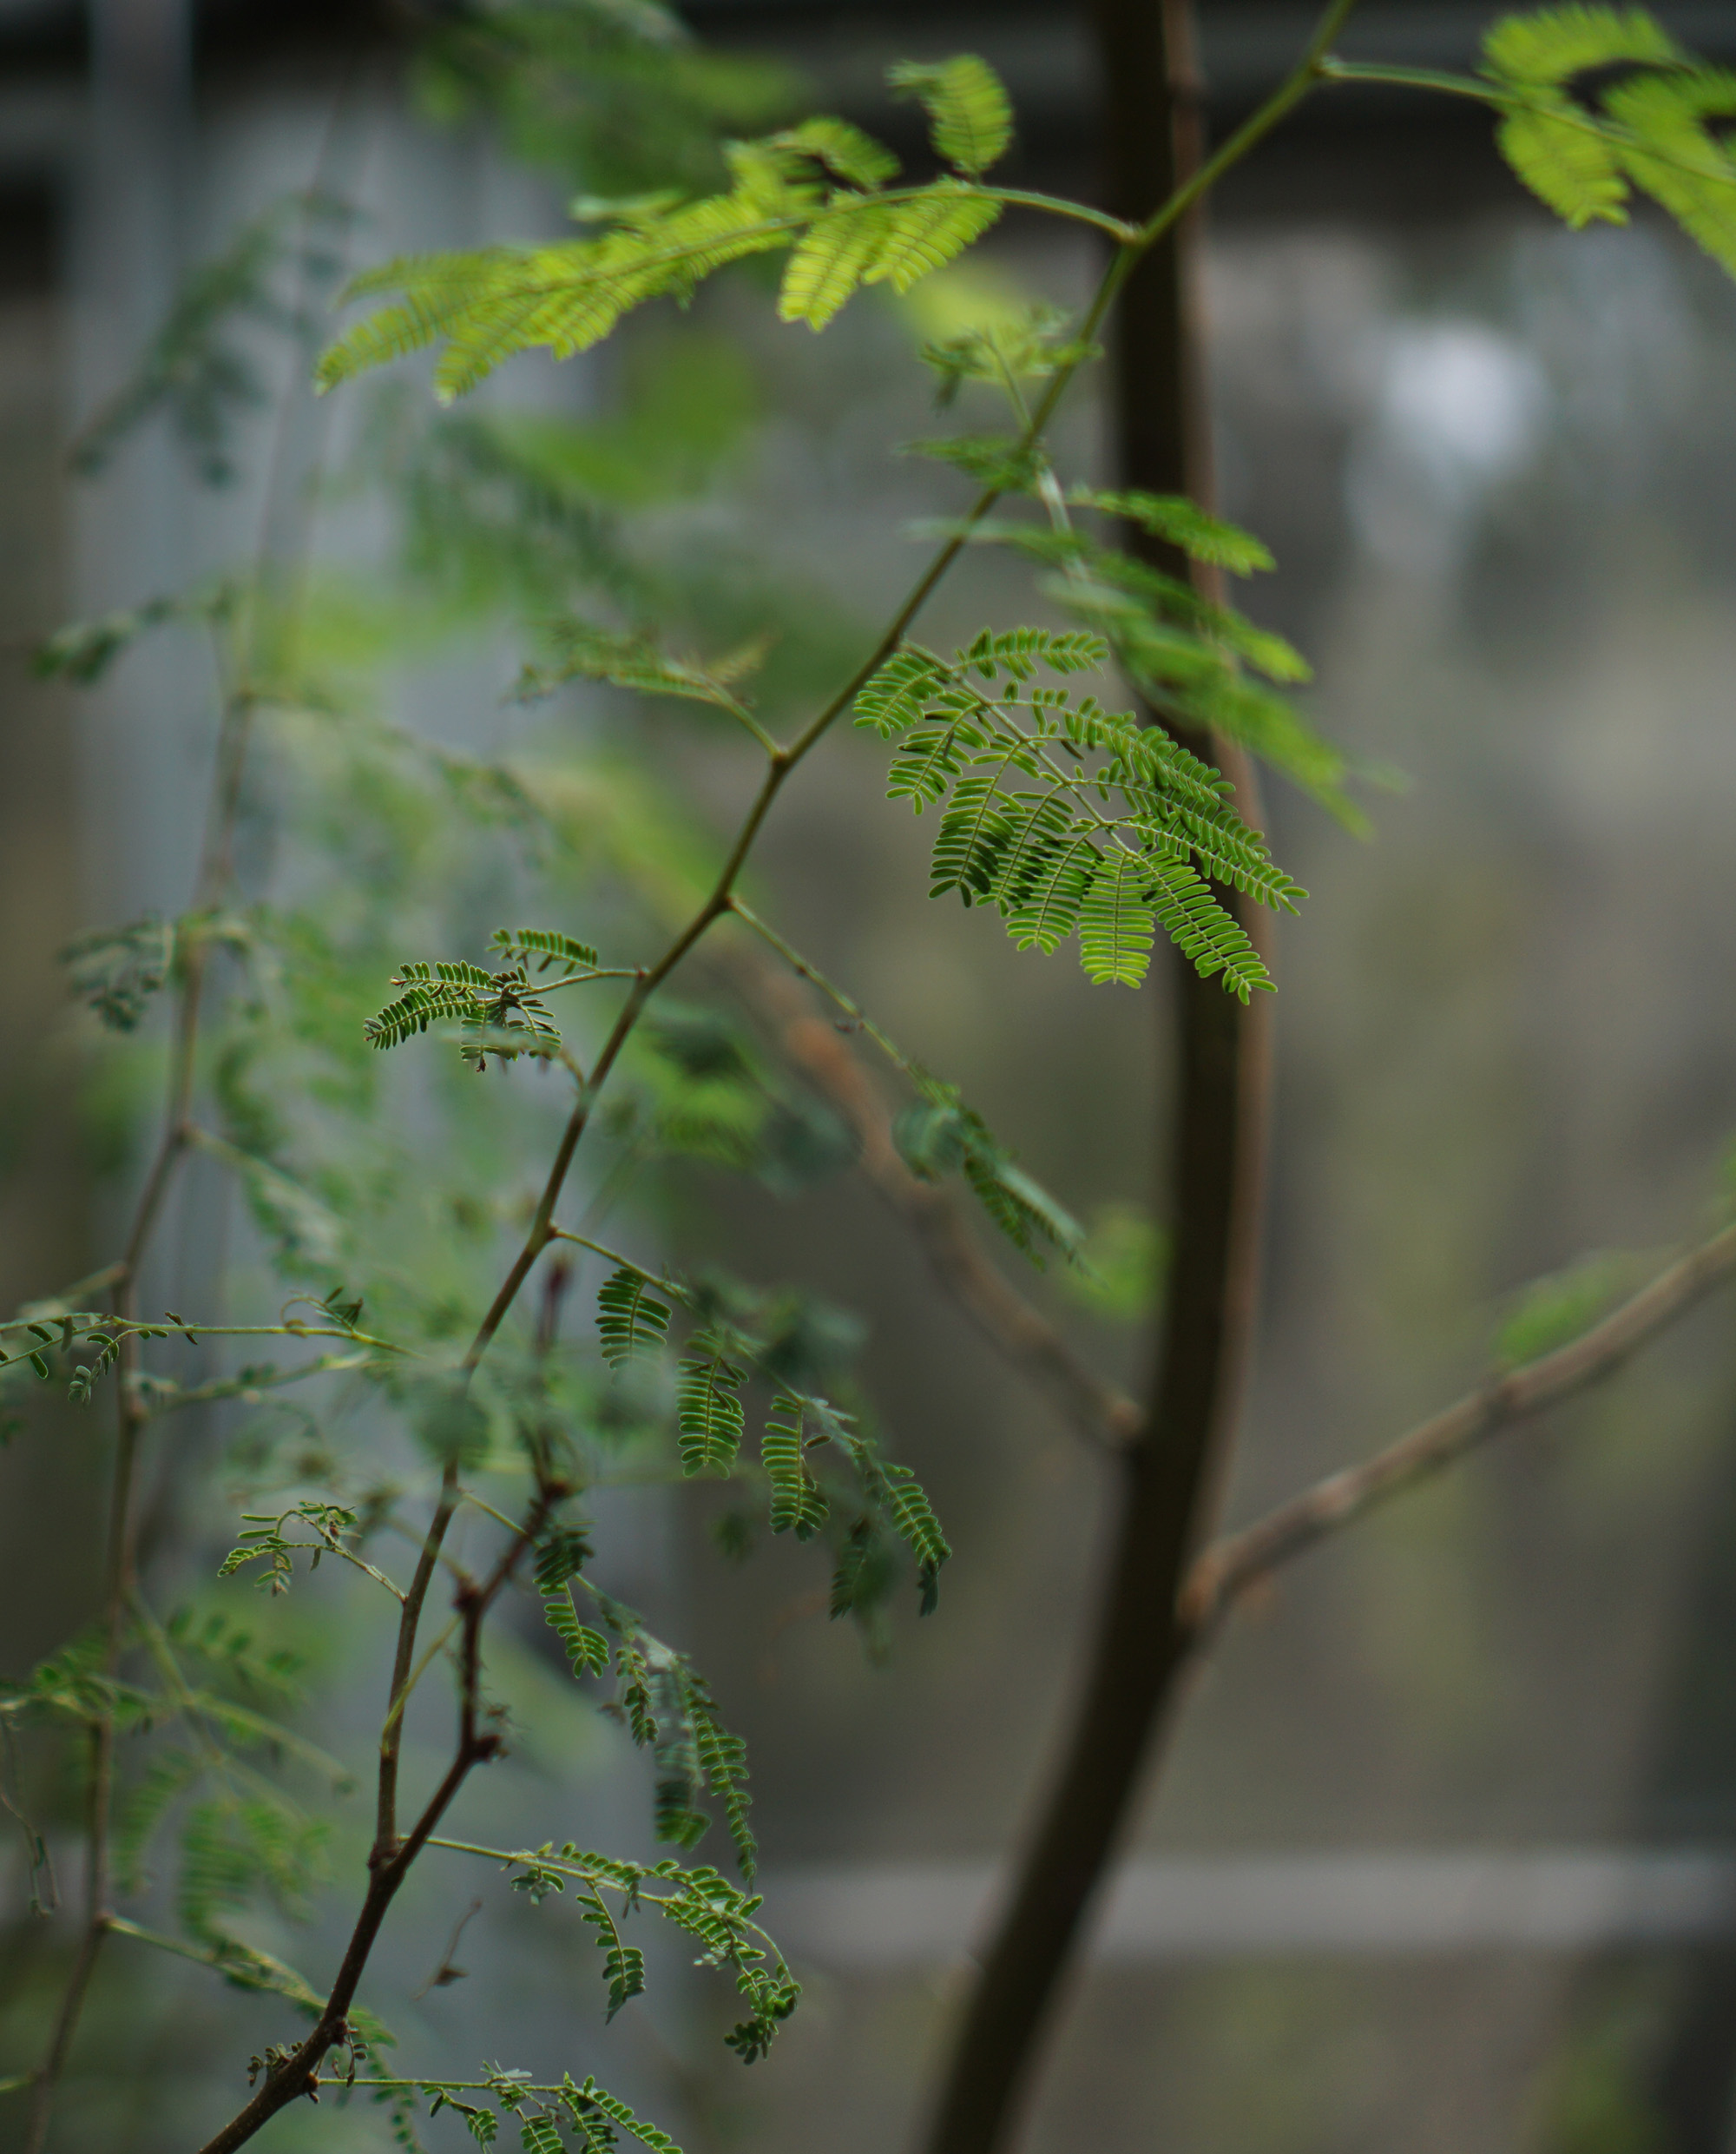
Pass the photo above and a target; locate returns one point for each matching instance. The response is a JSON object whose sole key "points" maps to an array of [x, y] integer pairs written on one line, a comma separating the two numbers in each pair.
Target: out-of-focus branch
{"points": [[1020, 1333], [1240, 1560]]}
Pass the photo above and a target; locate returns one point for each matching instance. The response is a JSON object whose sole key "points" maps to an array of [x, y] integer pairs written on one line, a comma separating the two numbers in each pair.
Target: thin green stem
{"points": [[1336, 70], [1058, 206], [1501, 98], [834, 993]]}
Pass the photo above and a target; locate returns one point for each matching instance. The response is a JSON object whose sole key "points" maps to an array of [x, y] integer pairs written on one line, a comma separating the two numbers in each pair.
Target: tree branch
{"points": [[1228, 1569], [1217, 1140]]}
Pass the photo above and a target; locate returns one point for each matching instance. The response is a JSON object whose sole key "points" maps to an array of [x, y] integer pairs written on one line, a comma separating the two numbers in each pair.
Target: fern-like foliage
{"points": [[1029, 350], [938, 1135], [895, 1496], [199, 371], [631, 1321], [797, 1503], [117, 970], [1194, 660], [1184, 525], [709, 1410], [1649, 127], [585, 652], [817, 189], [561, 1557], [1069, 819], [970, 122], [667, 1707], [500, 1011]]}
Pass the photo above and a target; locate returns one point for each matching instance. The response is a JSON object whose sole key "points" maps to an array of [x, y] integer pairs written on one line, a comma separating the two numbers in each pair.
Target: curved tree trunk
{"points": [[1168, 1474]]}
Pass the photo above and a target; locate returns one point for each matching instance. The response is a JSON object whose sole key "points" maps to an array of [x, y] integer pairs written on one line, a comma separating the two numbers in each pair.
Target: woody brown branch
{"points": [[1240, 1560]]}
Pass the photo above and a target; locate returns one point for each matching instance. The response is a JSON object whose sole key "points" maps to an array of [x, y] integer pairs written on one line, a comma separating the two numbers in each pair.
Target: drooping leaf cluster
{"points": [[701, 1902], [819, 190], [1649, 120], [1068, 818], [737, 1337]]}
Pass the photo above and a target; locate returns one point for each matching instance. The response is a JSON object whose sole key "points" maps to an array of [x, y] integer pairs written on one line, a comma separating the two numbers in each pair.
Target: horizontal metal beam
{"points": [[1179, 1910]]}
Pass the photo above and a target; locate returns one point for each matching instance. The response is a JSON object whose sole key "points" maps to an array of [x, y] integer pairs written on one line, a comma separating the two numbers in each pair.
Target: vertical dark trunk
{"points": [[1152, 134]]}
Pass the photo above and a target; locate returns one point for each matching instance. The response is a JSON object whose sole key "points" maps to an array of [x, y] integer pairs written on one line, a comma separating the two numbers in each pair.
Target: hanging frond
{"points": [[1185, 526], [897, 1500], [623, 1964], [1553, 44], [1003, 461], [709, 1411], [797, 1506], [586, 652], [970, 122], [938, 1135], [1115, 919], [592, 2097], [1067, 817], [1649, 126], [1676, 157], [631, 1321], [483, 306], [1033, 349]]}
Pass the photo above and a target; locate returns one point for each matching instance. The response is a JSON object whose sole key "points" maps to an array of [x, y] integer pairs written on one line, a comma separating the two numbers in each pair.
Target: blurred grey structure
{"points": [[1495, 1739]]}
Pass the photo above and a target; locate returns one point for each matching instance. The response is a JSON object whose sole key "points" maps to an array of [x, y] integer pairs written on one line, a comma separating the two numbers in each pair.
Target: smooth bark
{"points": [[1166, 1476]]}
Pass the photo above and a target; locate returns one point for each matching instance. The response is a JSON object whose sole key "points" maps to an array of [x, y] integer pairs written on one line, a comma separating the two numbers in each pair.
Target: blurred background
{"points": [[1444, 1853]]}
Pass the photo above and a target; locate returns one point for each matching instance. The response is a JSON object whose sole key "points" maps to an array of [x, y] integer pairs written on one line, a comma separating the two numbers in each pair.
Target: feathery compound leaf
{"points": [[1652, 128], [999, 460], [1681, 164], [708, 1412], [520, 946], [631, 1321], [623, 1964], [591, 2096], [588, 653], [828, 264], [928, 231], [913, 1516], [797, 1503], [970, 122], [723, 1761], [1060, 847], [1202, 931], [1187, 528], [1553, 44], [1116, 920], [1569, 169], [867, 242], [166, 1778], [564, 297], [938, 1135], [855, 157]]}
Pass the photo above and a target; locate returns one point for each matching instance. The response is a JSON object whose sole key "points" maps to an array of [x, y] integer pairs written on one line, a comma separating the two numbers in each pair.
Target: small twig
{"points": [[446, 1972], [1014, 1327], [1239, 1560]]}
